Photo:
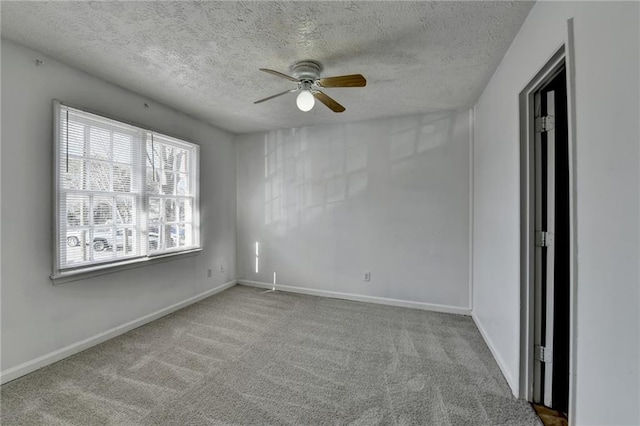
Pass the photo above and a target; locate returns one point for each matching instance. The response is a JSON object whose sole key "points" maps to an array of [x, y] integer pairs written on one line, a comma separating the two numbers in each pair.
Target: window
{"points": [[123, 193]]}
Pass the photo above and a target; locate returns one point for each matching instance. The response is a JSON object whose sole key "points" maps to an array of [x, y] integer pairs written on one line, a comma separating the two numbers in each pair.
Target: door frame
{"points": [[562, 56]]}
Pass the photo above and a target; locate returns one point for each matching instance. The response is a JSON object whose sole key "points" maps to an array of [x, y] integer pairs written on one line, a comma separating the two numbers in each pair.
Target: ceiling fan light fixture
{"points": [[307, 75], [305, 101]]}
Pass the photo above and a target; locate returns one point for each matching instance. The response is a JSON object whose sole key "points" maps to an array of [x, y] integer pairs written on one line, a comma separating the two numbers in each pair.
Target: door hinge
{"points": [[542, 354], [545, 123], [544, 238]]}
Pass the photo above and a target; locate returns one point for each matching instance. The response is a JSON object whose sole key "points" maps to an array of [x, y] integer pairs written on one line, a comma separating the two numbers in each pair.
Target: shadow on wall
{"points": [[309, 171]]}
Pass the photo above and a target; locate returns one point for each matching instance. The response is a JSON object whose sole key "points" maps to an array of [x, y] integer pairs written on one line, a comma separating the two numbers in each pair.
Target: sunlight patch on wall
{"points": [[257, 256]]}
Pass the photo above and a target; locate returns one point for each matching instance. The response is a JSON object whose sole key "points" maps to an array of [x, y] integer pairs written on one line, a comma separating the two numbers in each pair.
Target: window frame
{"points": [[145, 255]]}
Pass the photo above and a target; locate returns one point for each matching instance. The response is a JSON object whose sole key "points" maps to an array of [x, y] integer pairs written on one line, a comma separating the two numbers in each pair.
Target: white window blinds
{"points": [[123, 193]]}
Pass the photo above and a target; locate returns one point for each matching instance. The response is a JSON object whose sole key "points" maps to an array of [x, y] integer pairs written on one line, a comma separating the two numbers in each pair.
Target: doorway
{"points": [[551, 245], [547, 240]]}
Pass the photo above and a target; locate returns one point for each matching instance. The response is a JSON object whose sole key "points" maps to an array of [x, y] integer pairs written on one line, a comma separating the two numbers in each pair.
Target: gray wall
{"points": [[389, 196], [607, 299], [37, 317]]}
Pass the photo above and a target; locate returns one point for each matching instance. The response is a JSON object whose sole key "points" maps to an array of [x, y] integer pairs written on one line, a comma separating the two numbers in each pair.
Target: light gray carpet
{"points": [[241, 357]]}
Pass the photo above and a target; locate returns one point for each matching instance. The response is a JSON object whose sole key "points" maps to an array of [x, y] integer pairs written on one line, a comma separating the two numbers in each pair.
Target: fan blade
{"points": [[275, 96], [279, 74], [353, 80], [329, 102]]}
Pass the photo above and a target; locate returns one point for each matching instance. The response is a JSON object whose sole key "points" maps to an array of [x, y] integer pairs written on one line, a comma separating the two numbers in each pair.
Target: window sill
{"points": [[94, 271]]}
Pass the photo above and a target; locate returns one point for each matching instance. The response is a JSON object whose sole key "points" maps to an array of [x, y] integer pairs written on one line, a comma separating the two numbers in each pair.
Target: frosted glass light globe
{"points": [[305, 101]]}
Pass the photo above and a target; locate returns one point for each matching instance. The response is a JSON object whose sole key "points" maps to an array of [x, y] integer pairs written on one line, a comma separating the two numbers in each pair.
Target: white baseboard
{"points": [[44, 360], [497, 357], [361, 298]]}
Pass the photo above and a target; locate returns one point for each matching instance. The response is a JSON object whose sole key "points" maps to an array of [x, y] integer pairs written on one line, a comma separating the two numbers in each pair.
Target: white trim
{"points": [[44, 360], [472, 118], [360, 298], [496, 356], [527, 217], [573, 212], [55, 189], [97, 270]]}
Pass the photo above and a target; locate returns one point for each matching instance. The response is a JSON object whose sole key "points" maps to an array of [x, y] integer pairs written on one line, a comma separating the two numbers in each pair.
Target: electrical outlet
{"points": [[222, 269], [209, 273], [366, 276]]}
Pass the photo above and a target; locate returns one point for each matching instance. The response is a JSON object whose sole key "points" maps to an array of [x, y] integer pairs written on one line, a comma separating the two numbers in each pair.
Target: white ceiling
{"points": [[203, 57]]}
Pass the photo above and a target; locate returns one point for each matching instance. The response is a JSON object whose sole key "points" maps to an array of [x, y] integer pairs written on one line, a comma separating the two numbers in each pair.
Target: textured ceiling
{"points": [[203, 57]]}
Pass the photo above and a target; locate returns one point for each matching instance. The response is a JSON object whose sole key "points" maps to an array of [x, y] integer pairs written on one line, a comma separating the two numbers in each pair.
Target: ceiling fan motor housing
{"points": [[306, 71]]}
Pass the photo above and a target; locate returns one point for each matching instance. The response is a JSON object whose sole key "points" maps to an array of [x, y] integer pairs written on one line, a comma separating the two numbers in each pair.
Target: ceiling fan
{"points": [[307, 75]]}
